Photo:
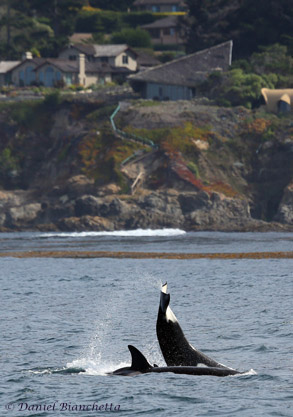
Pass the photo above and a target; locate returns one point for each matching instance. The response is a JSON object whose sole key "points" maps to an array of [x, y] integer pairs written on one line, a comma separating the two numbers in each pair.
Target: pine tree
{"points": [[249, 23]]}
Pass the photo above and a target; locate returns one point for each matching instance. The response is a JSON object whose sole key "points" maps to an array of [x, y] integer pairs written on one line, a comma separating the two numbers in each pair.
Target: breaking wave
{"points": [[121, 233]]}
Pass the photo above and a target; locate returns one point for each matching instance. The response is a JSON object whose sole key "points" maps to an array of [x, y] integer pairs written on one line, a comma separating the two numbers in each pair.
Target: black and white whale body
{"points": [[176, 349], [140, 365]]}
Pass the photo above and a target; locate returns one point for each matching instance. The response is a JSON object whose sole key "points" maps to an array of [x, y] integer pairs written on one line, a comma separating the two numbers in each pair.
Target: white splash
{"points": [[40, 372], [121, 233], [93, 367], [250, 372]]}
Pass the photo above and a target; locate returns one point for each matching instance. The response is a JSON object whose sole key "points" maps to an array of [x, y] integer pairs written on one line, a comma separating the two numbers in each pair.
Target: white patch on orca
{"points": [[170, 316], [164, 288]]}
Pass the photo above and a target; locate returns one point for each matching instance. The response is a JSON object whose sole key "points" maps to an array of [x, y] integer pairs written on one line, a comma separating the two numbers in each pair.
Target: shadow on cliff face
{"points": [[272, 173]]}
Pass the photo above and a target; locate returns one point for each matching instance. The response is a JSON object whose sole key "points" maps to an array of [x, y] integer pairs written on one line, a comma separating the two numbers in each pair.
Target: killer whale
{"points": [[176, 349], [140, 365]]}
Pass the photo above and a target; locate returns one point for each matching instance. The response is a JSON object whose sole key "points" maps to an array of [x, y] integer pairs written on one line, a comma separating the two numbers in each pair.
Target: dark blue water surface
{"points": [[62, 315]]}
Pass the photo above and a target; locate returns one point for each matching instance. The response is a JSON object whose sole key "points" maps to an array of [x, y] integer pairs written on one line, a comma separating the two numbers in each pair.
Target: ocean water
{"points": [[60, 316]]}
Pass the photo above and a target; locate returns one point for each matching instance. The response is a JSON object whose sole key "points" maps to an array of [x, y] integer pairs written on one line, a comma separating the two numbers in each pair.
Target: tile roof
{"points": [[189, 69], [147, 60], [65, 65], [87, 49], [35, 61], [102, 50], [109, 50]]}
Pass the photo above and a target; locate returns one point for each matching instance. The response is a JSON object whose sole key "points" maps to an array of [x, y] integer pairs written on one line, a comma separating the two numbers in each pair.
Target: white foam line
{"points": [[121, 233]]}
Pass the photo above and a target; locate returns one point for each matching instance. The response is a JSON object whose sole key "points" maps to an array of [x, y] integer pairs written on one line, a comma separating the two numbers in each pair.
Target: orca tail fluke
{"points": [[138, 360], [165, 299]]}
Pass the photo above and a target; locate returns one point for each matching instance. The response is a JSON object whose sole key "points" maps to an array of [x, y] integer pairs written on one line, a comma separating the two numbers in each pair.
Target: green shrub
{"points": [[52, 100], [24, 113], [133, 37], [8, 163], [193, 168], [270, 68], [105, 21], [236, 88], [101, 113], [167, 56], [272, 59], [135, 19]]}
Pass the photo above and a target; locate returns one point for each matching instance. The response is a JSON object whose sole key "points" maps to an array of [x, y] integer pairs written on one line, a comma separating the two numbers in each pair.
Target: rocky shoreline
{"points": [[102, 211], [240, 176]]}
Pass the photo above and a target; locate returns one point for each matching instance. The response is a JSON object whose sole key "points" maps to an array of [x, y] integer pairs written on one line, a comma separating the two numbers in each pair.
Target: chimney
{"points": [[27, 55], [81, 69]]}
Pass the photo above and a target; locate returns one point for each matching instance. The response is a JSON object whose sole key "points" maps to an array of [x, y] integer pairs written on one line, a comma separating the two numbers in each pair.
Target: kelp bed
{"points": [[146, 255]]}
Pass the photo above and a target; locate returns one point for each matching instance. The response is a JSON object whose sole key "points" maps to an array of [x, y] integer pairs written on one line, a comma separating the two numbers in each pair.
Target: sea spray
{"points": [[101, 355]]}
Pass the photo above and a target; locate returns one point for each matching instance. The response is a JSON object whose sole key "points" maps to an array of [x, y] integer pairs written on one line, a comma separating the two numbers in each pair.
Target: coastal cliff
{"points": [[62, 167]]}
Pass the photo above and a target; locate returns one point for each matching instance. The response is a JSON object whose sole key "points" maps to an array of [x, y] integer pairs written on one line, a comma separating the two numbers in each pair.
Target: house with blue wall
{"points": [[24, 74], [73, 67], [179, 79]]}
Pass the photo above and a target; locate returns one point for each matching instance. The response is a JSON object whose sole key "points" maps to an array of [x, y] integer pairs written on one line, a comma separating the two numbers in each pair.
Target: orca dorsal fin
{"points": [[138, 360]]}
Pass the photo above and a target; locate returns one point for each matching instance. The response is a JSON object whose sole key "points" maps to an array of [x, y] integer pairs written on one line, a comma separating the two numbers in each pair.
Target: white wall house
{"points": [[115, 55]]}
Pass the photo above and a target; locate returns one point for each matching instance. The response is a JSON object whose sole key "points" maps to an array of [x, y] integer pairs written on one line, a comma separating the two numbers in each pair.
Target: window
{"points": [[21, 78], [284, 106], [29, 75], [68, 79], [175, 9], [125, 59], [49, 77], [104, 59], [72, 57], [155, 9], [41, 77]]}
